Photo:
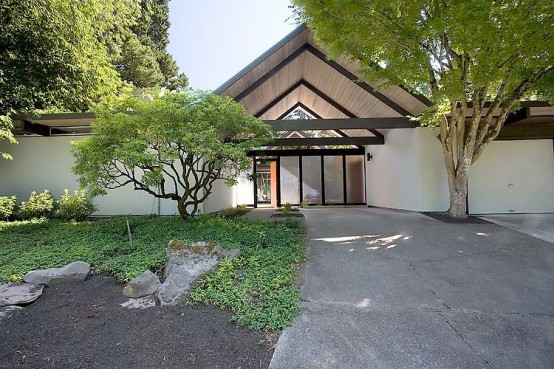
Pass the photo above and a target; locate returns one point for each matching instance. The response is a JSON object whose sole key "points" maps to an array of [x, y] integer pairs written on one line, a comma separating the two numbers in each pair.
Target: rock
{"points": [[145, 284], [230, 254], [140, 303], [7, 311], [74, 272], [185, 264], [19, 293]]}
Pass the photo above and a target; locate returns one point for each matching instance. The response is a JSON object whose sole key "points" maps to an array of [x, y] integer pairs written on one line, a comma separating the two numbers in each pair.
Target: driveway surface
{"points": [[387, 289]]}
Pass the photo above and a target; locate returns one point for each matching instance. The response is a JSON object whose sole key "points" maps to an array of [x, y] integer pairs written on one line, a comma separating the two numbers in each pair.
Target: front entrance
{"points": [[309, 179]]}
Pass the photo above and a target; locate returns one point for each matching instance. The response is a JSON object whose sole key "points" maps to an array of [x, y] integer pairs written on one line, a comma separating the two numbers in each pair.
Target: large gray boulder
{"points": [[185, 265], [19, 293], [145, 284], [74, 272]]}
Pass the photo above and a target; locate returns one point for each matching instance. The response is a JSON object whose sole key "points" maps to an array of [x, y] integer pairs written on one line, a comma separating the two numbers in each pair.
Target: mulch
{"points": [[82, 325], [445, 218]]}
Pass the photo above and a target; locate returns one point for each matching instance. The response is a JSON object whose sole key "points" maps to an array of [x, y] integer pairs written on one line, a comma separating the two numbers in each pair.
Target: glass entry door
{"points": [[264, 187]]}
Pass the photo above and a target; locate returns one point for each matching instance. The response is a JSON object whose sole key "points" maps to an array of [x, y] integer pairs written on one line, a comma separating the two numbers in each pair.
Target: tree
{"points": [[58, 54], [475, 60], [174, 147], [144, 58]]}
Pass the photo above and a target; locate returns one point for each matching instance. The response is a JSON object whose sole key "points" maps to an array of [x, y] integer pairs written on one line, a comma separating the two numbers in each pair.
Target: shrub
{"points": [[237, 211], [75, 207], [287, 209], [7, 206], [37, 206]]}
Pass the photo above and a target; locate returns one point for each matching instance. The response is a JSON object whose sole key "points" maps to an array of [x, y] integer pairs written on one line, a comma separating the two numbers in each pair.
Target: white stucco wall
{"points": [[392, 180], [45, 163], [244, 190], [432, 172], [222, 197], [407, 172], [513, 177]]}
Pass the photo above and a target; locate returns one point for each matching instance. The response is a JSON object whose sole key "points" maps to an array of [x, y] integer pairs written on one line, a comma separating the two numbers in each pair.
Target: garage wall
{"points": [[392, 177], [513, 177], [407, 172], [432, 172], [45, 163]]}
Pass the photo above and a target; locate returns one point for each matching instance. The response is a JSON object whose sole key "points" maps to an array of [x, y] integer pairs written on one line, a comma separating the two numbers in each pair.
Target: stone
{"points": [[7, 311], [230, 254], [19, 293], [140, 303], [185, 265], [145, 284], [74, 272]]}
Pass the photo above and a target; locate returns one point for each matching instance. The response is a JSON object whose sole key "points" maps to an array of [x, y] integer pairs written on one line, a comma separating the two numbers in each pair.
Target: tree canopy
{"points": [[144, 59], [463, 55], [58, 55], [174, 147]]}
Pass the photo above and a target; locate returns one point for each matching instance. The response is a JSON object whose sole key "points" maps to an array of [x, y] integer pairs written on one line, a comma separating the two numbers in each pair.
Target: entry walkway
{"points": [[386, 289]]}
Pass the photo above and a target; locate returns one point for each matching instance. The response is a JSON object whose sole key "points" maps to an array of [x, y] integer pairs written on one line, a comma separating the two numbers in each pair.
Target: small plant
{"points": [[234, 212], [75, 207], [304, 204], [37, 206], [287, 209], [7, 206]]}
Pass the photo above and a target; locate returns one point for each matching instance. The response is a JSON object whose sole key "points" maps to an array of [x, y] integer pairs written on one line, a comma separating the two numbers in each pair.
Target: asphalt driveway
{"points": [[387, 289]]}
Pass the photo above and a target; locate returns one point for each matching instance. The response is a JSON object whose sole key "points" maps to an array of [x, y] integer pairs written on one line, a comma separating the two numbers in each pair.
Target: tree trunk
{"points": [[458, 194], [182, 208]]}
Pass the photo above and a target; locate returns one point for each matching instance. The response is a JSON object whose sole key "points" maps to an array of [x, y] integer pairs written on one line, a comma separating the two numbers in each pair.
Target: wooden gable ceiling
{"points": [[297, 71]]}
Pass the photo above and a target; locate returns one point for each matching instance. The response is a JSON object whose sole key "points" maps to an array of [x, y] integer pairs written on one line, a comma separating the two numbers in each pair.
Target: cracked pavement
{"points": [[389, 289]]}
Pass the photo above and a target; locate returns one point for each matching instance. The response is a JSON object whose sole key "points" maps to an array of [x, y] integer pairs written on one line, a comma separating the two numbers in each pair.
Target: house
{"points": [[341, 141]]}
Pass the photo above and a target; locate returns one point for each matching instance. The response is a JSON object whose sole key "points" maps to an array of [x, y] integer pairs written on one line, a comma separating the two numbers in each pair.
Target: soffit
{"points": [[286, 64]]}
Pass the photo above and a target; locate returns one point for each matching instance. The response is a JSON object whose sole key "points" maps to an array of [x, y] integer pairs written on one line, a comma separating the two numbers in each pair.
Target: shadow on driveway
{"points": [[387, 289]]}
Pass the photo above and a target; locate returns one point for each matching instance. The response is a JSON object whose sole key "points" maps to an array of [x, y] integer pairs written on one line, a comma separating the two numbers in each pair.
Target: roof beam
{"points": [[526, 132], [328, 141], [277, 99], [350, 123], [307, 152], [261, 58], [271, 73], [36, 128], [329, 100], [345, 72]]}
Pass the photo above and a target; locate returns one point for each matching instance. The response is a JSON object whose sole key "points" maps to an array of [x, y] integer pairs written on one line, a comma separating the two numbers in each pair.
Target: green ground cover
{"points": [[259, 287]]}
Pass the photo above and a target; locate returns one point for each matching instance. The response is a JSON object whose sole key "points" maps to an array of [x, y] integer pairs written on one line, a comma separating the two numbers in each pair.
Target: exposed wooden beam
{"points": [[327, 99], [307, 152], [517, 115], [261, 58], [36, 128], [526, 132], [375, 132], [345, 72], [271, 73], [277, 99], [328, 141], [349, 123]]}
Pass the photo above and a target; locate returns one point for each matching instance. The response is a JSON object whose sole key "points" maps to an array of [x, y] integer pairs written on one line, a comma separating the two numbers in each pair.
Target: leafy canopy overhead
{"points": [[174, 147], [443, 49], [56, 54], [460, 54]]}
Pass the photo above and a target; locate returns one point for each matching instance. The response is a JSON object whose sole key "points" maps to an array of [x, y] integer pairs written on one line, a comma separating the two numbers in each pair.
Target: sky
{"points": [[212, 40]]}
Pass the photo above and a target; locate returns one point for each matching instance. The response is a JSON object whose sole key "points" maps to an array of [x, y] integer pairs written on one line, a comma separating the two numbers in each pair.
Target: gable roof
{"points": [[297, 71]]}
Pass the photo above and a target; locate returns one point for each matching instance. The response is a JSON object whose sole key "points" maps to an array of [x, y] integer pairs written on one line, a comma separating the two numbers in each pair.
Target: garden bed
{"points": [[82, 325], [259, 287]]}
